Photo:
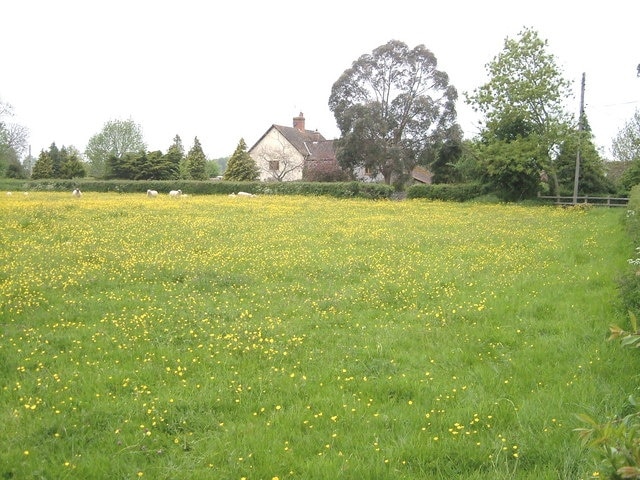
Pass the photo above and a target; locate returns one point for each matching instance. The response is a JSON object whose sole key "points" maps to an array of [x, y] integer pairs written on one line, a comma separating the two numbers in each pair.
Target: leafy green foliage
{"points": [[444, 166], [241, 167], [526, 91], [631, 175], [117, 138], [592, 179], [513, 168], [212, 168], [524, 97], [459, 192], [616, 444], [392, 106]]}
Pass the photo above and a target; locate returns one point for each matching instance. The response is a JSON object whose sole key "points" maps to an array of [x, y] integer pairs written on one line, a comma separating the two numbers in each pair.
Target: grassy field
{"points": [[304, 338]]}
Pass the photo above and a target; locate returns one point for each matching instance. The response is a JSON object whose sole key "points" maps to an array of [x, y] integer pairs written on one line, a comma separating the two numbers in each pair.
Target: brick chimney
{"points": [[298, 122]]}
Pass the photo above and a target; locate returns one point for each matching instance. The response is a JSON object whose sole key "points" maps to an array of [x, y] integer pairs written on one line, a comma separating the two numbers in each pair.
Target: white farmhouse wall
{"points": [[360, 175], [274, 147]]}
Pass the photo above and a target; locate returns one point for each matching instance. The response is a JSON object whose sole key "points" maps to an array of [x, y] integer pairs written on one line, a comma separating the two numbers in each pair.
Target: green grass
{"points": [[294, 337]]}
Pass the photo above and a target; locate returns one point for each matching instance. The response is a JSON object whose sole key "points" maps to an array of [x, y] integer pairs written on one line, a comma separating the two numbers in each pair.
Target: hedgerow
{"points": [[333, 189]]}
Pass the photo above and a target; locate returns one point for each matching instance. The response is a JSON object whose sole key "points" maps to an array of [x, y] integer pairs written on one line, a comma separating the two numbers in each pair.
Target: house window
{"points": [[274, 165]]}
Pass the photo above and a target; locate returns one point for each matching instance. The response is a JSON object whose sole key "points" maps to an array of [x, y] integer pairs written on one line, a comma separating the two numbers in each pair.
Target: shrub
{"points": [[459, 192]]}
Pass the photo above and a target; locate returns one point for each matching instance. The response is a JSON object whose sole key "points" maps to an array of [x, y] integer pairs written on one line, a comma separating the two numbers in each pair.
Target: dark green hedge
{"points": [[459, 192], [334, 189]]}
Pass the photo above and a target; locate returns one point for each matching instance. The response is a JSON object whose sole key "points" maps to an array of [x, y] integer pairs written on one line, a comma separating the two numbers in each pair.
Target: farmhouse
{"points": [[286, 153]]}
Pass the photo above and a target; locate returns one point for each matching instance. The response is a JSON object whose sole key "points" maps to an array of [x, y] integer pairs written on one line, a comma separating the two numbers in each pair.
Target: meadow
{"points": [[279, 337]]}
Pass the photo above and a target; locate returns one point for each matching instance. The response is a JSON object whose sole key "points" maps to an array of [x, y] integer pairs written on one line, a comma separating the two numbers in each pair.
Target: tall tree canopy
{"points": [[526, 91], [392, 106], [525, 117], [116, 138]]}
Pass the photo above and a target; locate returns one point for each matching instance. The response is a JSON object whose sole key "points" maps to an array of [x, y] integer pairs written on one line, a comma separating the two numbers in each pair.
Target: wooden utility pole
{"points": [[580, 126]]}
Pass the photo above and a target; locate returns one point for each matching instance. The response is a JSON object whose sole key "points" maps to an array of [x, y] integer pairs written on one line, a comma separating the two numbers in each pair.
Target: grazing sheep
{"points": [[9, 193], [77, 193], [175, 193], [152, 193]]}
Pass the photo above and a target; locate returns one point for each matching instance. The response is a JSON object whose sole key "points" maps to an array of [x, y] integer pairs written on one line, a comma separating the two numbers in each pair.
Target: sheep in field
{"points": [[76, 193], [175, 193], [152, 193], [245, 194]]}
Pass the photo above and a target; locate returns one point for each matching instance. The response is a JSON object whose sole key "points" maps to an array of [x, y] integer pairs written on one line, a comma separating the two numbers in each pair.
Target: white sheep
{"points": [[245, 194], [152, 193], [77, 193], [9, 194], [175, 193]]}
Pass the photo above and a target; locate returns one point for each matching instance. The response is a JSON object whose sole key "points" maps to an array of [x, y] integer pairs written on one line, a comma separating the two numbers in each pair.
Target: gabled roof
{"points": [[309, 143], [421, 174]]}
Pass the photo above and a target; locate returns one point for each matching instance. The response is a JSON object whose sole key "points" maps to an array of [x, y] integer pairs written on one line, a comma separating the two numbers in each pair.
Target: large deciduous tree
{"points": [[625, 147], [117, 138], [392, 106], [13, 143], [241, 167], [524, 104]]}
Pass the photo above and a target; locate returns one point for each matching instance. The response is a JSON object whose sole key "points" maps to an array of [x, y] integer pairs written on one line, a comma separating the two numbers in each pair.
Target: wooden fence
{"points": [[586, 200]]}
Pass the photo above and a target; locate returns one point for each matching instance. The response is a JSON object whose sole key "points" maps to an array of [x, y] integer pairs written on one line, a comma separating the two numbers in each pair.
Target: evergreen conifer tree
{"points": [[175, 157], [241, 167], [196, 162], [71, 166], [56, 161], [43, 167]]}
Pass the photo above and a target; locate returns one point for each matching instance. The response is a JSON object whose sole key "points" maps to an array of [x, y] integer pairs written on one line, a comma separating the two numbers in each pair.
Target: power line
{"points": [[613, 104]]}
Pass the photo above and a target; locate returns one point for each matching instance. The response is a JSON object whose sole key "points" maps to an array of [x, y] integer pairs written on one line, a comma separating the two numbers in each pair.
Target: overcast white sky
{"points": [[222, 71]]}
